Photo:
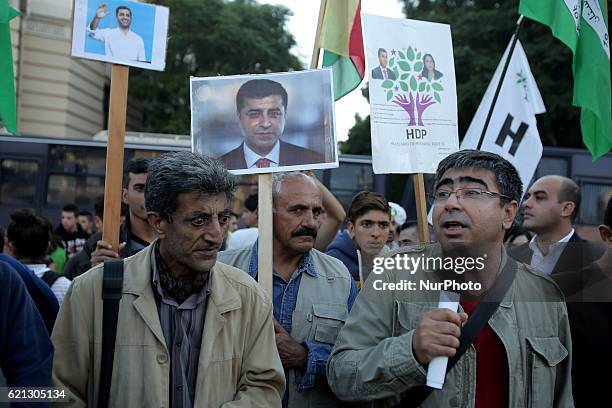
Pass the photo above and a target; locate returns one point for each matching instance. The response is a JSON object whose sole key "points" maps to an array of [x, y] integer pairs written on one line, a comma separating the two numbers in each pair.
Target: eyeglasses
{"points": [[471, 194]]}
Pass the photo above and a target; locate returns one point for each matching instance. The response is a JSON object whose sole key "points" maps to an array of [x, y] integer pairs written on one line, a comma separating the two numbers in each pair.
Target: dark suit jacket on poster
{"points": [[290, 155], [577, 254], [377, 73]]}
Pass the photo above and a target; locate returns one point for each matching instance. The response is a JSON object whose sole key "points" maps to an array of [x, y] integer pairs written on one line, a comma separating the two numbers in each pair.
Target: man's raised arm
{"points": [[100, 14]]}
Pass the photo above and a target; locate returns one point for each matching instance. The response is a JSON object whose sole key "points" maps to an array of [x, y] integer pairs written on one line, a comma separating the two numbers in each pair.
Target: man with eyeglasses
{"points": [[261, 108], [312, 292], [520, 351], [191, 332]]}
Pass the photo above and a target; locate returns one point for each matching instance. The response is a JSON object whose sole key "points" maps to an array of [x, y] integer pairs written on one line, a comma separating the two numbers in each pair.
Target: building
{"points": [[57, 95]]}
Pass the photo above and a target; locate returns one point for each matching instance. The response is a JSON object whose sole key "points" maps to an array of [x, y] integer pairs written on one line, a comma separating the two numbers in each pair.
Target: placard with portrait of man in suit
{"points": [[265, 123]]}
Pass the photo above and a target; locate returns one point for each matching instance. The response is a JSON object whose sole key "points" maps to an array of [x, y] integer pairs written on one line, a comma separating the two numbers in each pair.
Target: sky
{"points": [[303, 26]]}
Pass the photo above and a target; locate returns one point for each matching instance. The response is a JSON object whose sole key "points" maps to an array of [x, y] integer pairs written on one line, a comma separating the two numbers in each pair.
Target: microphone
{"points": [[436, 372]]}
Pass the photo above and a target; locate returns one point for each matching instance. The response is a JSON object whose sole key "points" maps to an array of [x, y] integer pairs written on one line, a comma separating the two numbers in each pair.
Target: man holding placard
{"points": [[312, 292], [119, 42], [515, 348]]}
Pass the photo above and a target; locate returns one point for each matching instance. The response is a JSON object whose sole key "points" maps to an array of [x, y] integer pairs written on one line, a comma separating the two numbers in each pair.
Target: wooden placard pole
{"points": [[114, 155], [264, 205], [421, 207], [265, 226]]}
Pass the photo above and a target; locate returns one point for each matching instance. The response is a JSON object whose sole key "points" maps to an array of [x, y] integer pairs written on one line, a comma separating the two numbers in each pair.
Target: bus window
{"points": [[67, 189], [349, 179], [147, 154], [76, 159], [18, 182], [595, 197]]}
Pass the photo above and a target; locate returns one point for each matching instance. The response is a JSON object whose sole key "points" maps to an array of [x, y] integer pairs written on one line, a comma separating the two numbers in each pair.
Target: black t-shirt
{"points": [[72, 241]]}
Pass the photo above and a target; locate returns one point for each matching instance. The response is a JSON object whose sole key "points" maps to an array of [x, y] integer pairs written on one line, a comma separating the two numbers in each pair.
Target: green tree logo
{"points": [[411, 90]]}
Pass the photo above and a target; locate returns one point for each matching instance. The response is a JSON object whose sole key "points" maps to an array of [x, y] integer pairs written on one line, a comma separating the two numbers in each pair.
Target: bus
{"points": [[46, 173]]}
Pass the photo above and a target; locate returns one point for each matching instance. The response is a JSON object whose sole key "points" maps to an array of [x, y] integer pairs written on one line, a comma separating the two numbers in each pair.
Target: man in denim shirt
{"points": [[312, 292]]}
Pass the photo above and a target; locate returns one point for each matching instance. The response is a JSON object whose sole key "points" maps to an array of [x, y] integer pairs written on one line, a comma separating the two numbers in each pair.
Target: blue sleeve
{"points": [[318, 353], [26, 352], [43, 297]]}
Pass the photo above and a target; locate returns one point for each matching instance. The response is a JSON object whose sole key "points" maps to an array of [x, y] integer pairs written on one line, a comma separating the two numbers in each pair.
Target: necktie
{"points": [[263, 163], [385, 76]]}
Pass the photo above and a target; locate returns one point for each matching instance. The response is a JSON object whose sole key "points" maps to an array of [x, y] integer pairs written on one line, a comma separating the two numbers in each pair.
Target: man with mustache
{"points": [[191, 332], [312, 292], [520, 355], [135, 234], [261, 108], [119, 42]]}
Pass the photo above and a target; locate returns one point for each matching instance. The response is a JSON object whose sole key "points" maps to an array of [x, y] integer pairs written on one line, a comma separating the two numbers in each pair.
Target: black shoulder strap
{"points": [[474, 325], [50, 277], [112, 285]]}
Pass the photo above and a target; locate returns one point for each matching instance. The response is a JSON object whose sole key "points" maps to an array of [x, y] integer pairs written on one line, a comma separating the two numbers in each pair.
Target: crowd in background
{"points": [[41, 258]]}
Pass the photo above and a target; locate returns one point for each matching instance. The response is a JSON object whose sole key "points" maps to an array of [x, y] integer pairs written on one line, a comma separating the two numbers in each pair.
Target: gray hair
{"points": [[279, 178], [506, 175], [184, 172]]}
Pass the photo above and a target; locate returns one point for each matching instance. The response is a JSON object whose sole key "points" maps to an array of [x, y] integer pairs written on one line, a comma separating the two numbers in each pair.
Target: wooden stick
{"points": [[114, 155], [314, 60], [265, 266], [421, 207], [264, 224]]}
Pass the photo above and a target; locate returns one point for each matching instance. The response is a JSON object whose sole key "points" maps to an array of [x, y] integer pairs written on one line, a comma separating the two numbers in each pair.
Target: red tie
{"points": [[263, 163], [385, 76]]}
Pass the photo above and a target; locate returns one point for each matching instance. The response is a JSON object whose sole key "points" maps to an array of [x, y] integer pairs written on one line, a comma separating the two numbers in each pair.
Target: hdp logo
{"points": [[416, 85]]}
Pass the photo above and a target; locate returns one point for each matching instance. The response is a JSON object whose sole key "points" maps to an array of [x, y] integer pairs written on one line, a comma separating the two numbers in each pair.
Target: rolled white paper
{"points": [[436, 372]]}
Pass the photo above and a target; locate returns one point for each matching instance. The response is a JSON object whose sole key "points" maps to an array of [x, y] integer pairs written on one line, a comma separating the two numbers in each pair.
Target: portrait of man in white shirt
{"points": [[119, 42]]}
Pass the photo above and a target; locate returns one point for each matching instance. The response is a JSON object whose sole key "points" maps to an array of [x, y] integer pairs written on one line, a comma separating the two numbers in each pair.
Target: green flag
{"points": [[8, 111], [582, 25]]}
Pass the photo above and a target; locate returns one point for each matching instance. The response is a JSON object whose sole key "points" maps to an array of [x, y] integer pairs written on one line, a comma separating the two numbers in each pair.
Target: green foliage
{"points": [[358, 138], [208, 38]]}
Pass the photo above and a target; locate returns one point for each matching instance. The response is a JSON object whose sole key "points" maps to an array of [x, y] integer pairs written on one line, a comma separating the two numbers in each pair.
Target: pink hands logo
{"points": [[416, 86]]}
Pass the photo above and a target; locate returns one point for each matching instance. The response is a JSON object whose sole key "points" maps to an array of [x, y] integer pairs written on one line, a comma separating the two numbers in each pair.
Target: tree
{"points": [[359, 141], [481, 31], [208, 38]]}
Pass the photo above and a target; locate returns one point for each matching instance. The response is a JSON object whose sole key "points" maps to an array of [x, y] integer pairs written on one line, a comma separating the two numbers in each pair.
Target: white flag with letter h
{"points": [[512, 132]]}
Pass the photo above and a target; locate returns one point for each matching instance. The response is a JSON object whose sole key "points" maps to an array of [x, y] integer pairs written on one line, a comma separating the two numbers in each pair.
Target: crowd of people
{"points": [[194, 327]]}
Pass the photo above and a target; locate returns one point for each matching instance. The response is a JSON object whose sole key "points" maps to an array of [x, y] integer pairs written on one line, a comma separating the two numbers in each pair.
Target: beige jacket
{"points": [[239, 365]]}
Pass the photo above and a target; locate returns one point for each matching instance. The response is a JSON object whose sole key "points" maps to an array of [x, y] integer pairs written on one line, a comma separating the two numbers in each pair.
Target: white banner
{"points": [[413, 97], [512, 132]]}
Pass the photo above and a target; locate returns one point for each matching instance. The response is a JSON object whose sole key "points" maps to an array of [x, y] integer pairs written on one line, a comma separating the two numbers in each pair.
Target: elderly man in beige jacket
{"points": [[191, 332]]}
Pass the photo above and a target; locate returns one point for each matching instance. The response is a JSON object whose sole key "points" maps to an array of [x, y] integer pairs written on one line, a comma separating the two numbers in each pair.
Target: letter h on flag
{"points": [[512, 132]]}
